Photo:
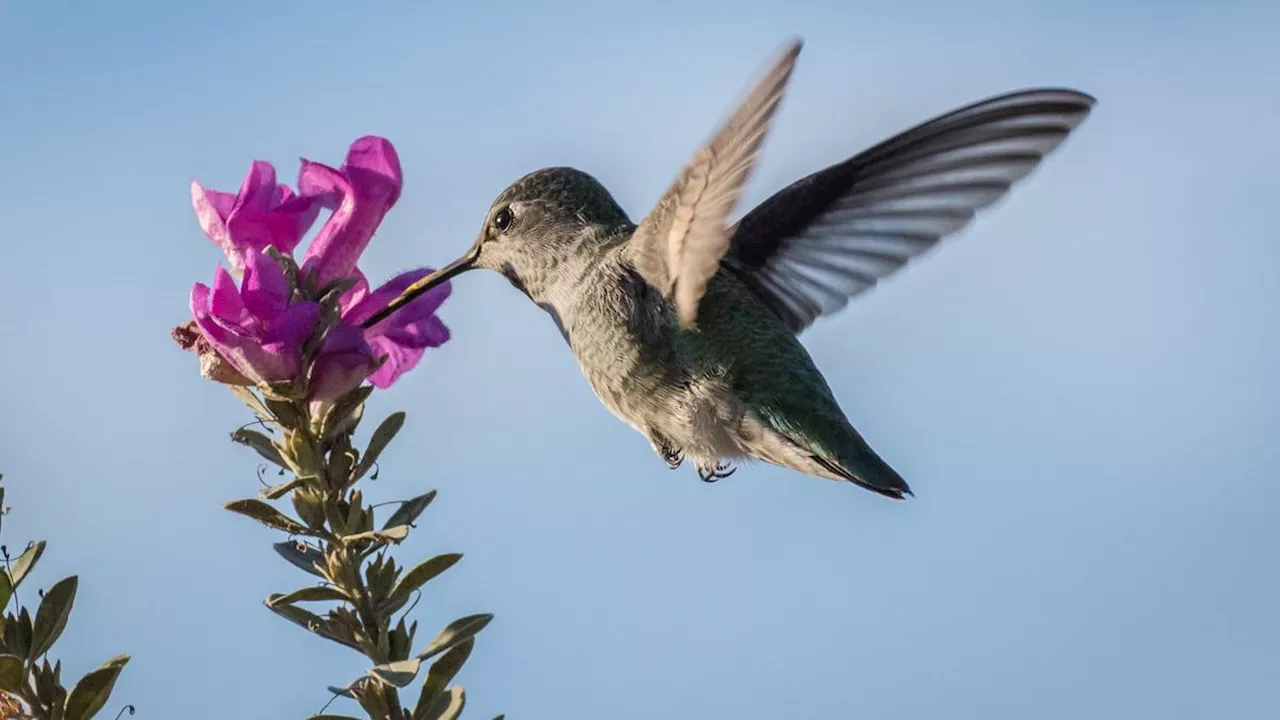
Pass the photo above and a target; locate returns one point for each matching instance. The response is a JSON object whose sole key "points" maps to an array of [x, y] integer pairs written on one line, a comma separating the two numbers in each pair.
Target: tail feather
{"points": [[871, 472], [844, 456]]}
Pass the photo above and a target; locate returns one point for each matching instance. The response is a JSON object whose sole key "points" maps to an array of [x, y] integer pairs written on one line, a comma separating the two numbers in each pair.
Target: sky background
{"points": [[1080, 388]]}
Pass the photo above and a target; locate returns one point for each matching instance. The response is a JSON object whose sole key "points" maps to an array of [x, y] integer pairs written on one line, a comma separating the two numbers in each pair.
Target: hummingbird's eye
{"points": [[502, 219]]}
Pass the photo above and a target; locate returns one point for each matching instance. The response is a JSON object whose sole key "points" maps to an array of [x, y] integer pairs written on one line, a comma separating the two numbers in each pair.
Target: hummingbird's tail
{"points": [[862, 466], [830, 449]]}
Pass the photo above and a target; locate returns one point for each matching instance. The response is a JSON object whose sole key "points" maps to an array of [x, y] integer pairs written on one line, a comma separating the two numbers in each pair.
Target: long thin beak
{"points": [[457, 267]]}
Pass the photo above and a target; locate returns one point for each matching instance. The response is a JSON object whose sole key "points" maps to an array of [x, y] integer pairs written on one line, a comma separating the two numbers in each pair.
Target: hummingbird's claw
{"points": [[673, 457], [710, 475]]}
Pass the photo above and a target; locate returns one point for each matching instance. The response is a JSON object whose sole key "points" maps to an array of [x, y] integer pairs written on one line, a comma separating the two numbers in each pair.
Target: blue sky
{"points": [[1080, 388]]}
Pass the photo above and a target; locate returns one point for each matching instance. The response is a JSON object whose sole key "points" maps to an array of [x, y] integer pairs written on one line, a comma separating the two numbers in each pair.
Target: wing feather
{"points": [[679, 246], [819, 242]]}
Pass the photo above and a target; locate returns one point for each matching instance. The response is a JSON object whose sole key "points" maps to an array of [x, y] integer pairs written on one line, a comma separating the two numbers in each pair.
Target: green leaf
{"points": [[355, 514], [383, 641], [328, 320], [25, 562], [119, 660], [380, 575], [334, 289], [275, 492], [390, 535], [345, 414], [333, 512], [303, 618], [343, 692], [267, 515], [409, 510], [6, 590], [381, 438], [399, 673], [446, 707], [314, 593], [52, 616], [283, 411], [456, 632], [395, 533], [441, 673], [45, 683], [250, 398], [17, 633], [301, 556], [261, 443], [304, 456], [342, 460], [93, 690], [400, 642], [423, 573], [309, 504], [286, 263], [371, 700], [12, 673]]}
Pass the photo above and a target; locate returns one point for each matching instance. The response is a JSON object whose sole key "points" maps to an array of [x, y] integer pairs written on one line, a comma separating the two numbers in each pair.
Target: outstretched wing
{"points": [[814, 245], [679, 245]]}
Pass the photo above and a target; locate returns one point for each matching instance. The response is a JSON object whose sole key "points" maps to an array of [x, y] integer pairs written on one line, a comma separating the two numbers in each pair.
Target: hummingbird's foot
{"points": [[712, 474], [673, 457]]}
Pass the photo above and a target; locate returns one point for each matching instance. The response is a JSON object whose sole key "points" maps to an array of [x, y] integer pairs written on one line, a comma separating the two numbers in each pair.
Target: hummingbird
{"points": [[686, 325]]}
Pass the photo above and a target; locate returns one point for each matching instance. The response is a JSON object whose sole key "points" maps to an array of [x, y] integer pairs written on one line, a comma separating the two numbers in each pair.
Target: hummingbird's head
{"points": [[543, 219], [532, 232]]}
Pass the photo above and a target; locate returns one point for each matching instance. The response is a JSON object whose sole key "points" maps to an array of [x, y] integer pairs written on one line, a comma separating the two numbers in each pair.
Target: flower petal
{"points": [[200, 296], [253, 227], [265, 289], [422, 306], [225, 302], [400, 360], [344, 362], [244, 353], [333, 376], [430, 331], [222, 202], [343, 338], [262, 365], [296, 215], [361, 194], [374, 167], [404, 352], [282, 194], [262, 214], [356, 294], [212, 208], [292, 327], [257, 189], [322, 184]]}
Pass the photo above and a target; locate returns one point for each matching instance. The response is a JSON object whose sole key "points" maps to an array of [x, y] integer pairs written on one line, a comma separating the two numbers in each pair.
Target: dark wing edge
{"points": [[814, 245]]}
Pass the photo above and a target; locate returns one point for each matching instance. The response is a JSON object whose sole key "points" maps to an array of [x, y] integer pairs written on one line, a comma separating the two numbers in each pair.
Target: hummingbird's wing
{"points": [[679, 245], [812, 246]]}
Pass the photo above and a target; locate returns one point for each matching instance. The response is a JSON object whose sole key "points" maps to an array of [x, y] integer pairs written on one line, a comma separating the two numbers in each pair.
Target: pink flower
{"points": [[258, 330], [262, 214], [360, 194], [254, 327], [351, 354]]}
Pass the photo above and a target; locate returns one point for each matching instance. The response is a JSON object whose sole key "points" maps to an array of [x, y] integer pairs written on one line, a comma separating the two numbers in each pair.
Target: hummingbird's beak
{"points": [[457, 267]]}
